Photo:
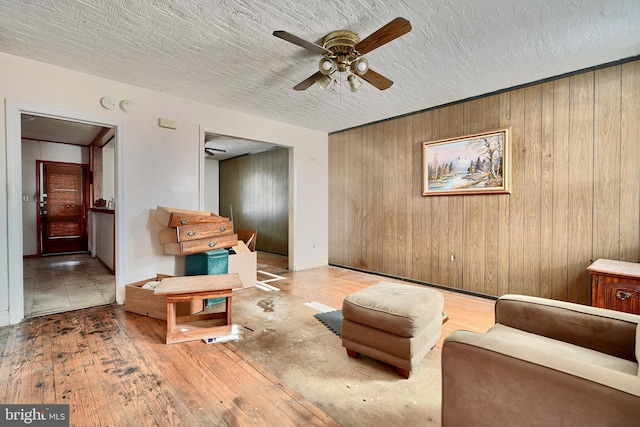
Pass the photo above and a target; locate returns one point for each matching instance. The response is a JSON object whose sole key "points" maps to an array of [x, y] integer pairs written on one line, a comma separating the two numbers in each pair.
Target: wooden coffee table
{"points": [[204, 324]]}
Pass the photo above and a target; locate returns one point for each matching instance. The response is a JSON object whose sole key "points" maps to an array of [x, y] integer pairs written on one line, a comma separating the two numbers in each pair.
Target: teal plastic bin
{"points": [[210, 262]]}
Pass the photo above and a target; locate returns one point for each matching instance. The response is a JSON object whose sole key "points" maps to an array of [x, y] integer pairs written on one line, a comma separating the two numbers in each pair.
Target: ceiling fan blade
{"points": [[384, 35], [301, 42], [376, 79], [308, 82], [209, 150]]}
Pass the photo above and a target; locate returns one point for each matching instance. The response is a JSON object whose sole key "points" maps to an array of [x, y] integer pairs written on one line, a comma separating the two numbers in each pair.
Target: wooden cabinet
{"points": [[615, 285]]}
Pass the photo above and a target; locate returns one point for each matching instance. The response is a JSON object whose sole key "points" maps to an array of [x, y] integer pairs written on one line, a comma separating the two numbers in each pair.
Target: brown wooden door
{"points": [[63, 226]]}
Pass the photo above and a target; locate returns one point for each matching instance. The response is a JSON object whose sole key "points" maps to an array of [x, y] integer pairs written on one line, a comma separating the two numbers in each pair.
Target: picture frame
{"points": [[478, 163]]}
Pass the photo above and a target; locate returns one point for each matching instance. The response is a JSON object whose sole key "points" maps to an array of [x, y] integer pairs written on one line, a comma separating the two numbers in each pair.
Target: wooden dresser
{"points": [[615, 285]]}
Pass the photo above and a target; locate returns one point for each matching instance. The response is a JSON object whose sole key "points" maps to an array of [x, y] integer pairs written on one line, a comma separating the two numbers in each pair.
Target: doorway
{"points": [[63, 192], [18, 200], [61, 275], [248, 181]]}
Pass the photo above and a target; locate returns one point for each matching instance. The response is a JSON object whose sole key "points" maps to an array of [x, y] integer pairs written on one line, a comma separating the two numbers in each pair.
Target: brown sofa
{"points": [[544, 363]]}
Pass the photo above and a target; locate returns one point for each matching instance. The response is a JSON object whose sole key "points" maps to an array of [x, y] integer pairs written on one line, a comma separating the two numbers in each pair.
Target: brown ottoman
{"points": [[392, 322]]}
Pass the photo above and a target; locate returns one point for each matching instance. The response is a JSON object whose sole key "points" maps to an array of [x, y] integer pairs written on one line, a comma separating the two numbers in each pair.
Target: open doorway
{"points": [[248, 181], [23, 153], [62, 273]]}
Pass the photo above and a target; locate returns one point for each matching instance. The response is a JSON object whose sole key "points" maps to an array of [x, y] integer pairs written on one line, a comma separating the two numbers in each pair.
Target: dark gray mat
{"points": [[332, 320]]}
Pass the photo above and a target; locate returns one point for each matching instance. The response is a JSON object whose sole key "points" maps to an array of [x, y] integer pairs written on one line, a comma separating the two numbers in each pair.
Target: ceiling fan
{"points": [[343, 51], [210, 151]]}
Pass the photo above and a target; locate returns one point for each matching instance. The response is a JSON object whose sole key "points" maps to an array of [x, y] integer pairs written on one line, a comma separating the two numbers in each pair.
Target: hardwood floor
{"points": [[113, 368], [330, 285]]}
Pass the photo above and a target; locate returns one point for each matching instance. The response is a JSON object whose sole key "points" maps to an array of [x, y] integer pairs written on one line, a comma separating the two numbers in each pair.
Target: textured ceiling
{"points": [[223, 52]]}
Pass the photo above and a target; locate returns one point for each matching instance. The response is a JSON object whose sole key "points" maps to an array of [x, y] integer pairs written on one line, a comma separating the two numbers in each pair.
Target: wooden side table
{"points": [[198, 325], [615, 285]]}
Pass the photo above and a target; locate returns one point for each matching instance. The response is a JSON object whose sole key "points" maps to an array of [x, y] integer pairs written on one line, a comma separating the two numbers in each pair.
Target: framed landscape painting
{"points": [[471, 164]]}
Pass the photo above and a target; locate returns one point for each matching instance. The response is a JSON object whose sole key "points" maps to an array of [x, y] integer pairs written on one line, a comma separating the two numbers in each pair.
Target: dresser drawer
{"points": [[201, 245], [620, 294], [172, 217], [185, 233], [615, 285]]}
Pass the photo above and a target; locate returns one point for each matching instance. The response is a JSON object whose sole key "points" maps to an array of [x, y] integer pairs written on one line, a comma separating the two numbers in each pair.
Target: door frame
{"points": [[201, 182], [86, 198], [13, 111]]}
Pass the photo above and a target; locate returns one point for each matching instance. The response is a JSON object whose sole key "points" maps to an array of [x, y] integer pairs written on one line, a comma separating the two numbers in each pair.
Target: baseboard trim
{"points": [[316, 263], [419, 282]]}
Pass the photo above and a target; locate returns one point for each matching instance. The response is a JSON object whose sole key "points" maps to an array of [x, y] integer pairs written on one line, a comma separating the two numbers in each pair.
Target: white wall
{"points": [[108, 170], [103, 226], [159, 167], [41, 150], [211, 183]]}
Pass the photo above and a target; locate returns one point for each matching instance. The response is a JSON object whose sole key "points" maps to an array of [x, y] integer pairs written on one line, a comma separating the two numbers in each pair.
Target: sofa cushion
{"points": [[559, 348], [400, 309]]}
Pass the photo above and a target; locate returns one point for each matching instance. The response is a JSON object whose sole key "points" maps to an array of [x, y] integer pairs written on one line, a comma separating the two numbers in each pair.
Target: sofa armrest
{"points": [[607, 331], [489, 381]]}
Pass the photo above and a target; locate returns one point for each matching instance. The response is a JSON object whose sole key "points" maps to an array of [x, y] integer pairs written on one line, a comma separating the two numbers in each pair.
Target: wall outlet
{"points": [[313, 242]]}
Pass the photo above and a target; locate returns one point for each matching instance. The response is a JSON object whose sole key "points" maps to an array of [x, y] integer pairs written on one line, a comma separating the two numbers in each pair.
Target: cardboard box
{"points": [[143, 301], [244, 262]]}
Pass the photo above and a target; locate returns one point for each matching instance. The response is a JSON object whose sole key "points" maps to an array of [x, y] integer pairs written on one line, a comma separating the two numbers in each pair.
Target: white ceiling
{"points": [[223, 52], [233, 147], [39, 128]]}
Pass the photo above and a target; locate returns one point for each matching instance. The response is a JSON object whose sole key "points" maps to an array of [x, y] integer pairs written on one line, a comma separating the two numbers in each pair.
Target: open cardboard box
{"points": [[244, 262]]}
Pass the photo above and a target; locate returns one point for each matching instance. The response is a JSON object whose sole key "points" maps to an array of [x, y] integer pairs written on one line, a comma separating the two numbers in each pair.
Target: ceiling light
{"points": [[354, 82], [324, 82], [361, 66], [326, 66]]}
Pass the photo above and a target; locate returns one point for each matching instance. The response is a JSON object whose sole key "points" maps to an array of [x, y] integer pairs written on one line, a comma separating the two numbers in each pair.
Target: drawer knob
{"points": [[184, 221], [212, 244], [191, 233], [623, 295], [223, 228]]}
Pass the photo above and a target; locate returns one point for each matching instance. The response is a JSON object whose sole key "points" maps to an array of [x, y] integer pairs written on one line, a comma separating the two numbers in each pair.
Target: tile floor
{"points": [[60, 283]]}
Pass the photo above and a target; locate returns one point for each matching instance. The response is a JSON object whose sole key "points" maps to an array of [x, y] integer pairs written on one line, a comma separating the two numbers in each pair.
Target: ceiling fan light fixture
{"points": [[326, 66], [343, 52], [354, 82], [324, 82], [360, 66]]}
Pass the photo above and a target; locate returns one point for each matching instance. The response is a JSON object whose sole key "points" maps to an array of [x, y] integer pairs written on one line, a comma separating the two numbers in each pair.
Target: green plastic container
{"points": [[210, 262]]}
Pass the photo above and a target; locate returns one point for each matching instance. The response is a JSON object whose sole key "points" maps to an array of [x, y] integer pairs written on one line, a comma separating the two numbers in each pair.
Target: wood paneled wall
{"points": [[575, 194], [257, 186]]}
